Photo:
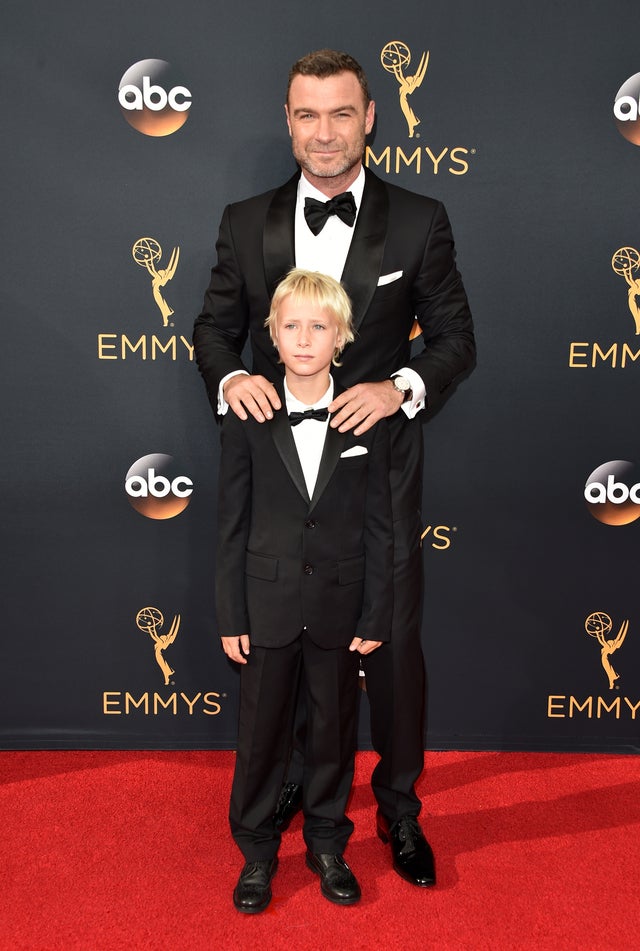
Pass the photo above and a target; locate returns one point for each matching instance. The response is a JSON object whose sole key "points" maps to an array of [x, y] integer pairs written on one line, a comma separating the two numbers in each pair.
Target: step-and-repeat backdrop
{"points": [[127, 128]]}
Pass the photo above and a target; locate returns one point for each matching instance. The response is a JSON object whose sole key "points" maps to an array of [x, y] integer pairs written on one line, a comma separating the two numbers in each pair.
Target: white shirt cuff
{"points": [[223, 406], [419, 400]]}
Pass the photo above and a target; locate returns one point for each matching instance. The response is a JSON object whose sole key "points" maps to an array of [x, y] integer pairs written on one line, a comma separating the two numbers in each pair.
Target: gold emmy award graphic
{"points": [[626, 262], [150, 620], [147, 252], [394, 56], [598, 625]]}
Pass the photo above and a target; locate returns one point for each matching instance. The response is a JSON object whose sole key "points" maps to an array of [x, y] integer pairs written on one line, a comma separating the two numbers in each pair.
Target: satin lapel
{"points": [[364, 261], [278, 240], [333, 446], [285, 444]]}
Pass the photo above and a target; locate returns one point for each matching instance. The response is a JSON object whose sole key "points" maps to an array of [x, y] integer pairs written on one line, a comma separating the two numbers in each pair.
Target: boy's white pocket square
{"points": [[389, 278], [354, 451]]}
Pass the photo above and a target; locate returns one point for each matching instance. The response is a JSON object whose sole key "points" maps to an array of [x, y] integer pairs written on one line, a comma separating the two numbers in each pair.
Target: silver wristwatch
{"points": [[403, 386]]}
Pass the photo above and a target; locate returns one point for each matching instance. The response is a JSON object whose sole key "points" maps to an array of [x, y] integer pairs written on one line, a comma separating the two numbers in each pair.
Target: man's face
{"points": [[328, 122]]}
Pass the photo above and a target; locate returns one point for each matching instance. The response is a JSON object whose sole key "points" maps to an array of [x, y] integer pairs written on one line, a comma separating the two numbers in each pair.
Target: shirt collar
{"points": [[294, 405]]}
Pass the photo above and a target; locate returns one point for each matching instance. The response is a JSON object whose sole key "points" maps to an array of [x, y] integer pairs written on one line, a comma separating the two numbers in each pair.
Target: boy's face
{"points": [[306, 337]]}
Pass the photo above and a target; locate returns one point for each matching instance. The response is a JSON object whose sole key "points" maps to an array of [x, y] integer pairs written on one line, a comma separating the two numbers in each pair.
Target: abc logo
{"points": [[155, 488], [153, 99], [612, 493], [626, 109]]}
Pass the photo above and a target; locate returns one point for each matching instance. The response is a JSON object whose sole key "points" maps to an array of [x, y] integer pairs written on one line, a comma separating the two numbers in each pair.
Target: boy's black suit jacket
{"points": [[285, 561]]}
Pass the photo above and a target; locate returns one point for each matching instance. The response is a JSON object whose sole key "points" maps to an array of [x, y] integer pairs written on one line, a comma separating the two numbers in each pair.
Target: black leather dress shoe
{"points": [[252, 894], [412, 855], [337, 881], [289, 803]]}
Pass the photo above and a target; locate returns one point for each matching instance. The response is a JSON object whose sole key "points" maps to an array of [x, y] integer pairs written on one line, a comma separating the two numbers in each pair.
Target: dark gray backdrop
{"points": [[514, 561]]}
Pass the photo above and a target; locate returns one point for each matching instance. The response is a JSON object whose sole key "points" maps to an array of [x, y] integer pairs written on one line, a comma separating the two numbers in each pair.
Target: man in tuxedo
{"points": [[394, 253], [304, 575]]}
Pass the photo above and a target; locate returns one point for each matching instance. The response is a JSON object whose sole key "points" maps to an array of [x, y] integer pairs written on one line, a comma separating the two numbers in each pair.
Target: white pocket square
{"points": [[354, 451], [389, 278]]}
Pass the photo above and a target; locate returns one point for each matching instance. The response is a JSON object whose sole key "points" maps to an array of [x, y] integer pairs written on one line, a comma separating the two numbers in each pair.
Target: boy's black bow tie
{"points": [[320, 414], [316, 212]]}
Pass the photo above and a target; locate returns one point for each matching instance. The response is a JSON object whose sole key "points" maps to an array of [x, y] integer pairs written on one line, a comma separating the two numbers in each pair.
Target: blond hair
{"points": [[322, 291]]}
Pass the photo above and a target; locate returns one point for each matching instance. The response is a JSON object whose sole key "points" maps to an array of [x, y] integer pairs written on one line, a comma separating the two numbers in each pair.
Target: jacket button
{"points": [[308, 569], [310, 523]]}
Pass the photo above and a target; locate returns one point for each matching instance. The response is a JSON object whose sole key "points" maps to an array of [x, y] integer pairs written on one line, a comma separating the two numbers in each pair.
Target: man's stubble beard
{"points": [[347, 162]]}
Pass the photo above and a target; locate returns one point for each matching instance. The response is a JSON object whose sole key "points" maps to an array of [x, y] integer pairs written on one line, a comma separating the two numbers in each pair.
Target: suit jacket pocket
{"points": [[351, 571], [392, 289], [354, 462], [261, 566]]}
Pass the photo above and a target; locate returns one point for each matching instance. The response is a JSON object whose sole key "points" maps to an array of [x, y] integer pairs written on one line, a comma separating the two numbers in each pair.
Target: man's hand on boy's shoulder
{"points": [[236, 648], [363, 405], [251, 394]]}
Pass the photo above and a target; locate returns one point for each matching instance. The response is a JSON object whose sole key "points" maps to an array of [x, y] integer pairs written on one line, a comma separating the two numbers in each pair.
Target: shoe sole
{"points": [[252, 911], [411, 880]]}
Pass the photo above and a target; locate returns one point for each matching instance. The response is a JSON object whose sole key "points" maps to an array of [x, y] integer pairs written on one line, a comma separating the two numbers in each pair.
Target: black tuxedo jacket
{"points": [[399, 235], [396, 231], [285, 561]]}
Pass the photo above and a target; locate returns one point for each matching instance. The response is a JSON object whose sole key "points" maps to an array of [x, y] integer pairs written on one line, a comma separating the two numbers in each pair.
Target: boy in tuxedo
{"points": [[303, 587]]}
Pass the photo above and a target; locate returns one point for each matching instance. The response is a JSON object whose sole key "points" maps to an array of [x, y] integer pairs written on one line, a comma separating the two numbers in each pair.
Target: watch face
{"points": [[403, 386]]}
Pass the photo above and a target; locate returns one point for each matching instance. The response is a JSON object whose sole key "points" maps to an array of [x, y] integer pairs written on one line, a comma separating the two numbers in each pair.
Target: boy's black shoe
{"points": [[337, 881], [252, 894]]}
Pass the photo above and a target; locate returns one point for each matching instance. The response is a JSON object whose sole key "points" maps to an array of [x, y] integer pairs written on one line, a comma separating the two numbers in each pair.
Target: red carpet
{"points": [[115, 850]]}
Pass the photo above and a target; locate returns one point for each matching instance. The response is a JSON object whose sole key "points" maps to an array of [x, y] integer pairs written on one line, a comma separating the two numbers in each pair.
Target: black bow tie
{"points": [[320, 414], [317, 212]]}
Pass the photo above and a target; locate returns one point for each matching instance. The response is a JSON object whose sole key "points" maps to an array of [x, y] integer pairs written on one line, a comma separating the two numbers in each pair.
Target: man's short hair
{"points": [[318, 289], [324, 63]]}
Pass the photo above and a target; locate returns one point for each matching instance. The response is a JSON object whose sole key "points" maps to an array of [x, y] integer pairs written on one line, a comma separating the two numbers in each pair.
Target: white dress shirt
{"points": [[309, 435], [325, 252]]}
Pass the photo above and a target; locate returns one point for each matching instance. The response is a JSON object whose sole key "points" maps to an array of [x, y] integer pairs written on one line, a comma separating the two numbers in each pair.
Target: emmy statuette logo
{"points": [[598, 626], [395, 58], [147, 253], [432, 155], [622, 354], [160, 702], [614, 705], [626, 263], [150, 620]]}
